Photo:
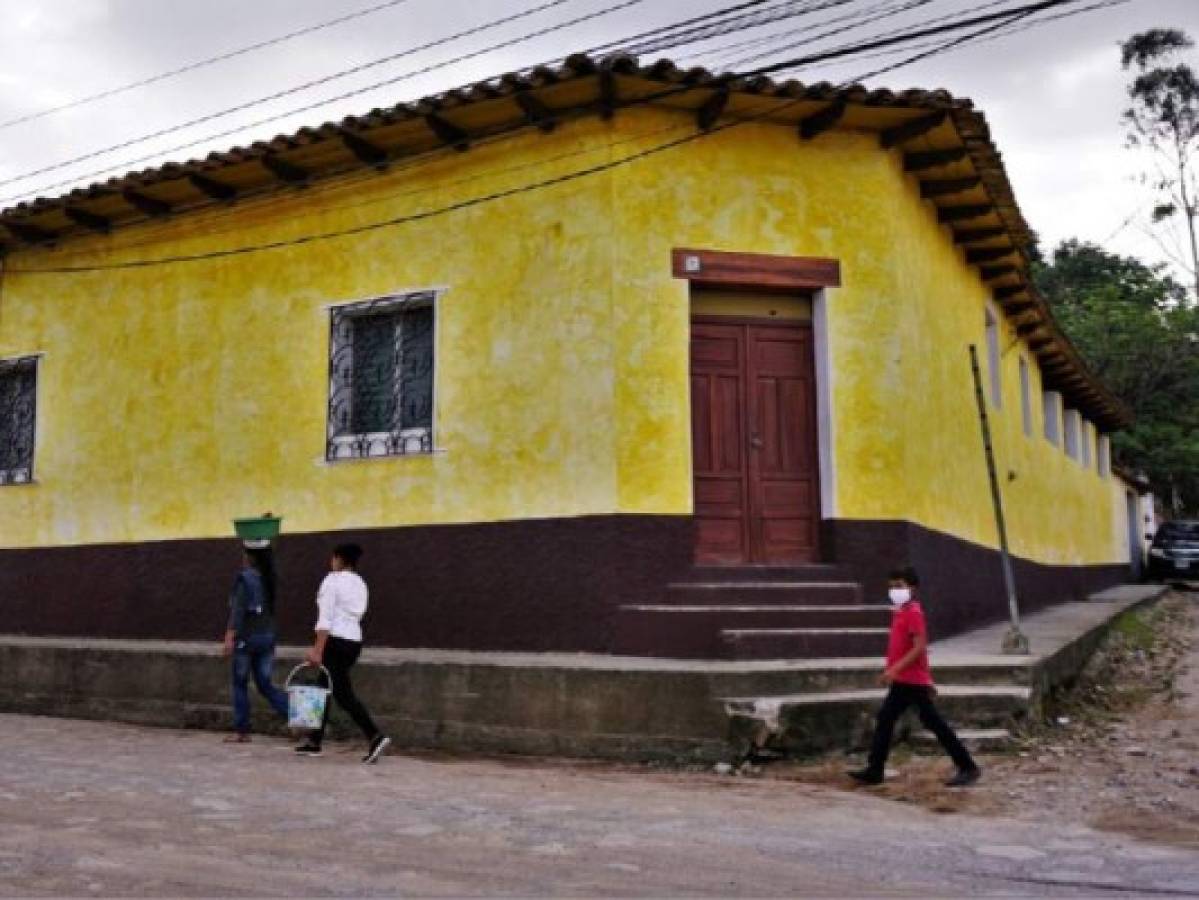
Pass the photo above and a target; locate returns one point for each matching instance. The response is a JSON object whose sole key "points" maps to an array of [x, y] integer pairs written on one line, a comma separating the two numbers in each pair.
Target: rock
{"points": [[723, 768], [1136, 751], [1063, 720]]}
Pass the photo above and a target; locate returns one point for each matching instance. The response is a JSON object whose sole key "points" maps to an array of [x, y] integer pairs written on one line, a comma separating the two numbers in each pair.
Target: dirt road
{"points": [[98, 809]]}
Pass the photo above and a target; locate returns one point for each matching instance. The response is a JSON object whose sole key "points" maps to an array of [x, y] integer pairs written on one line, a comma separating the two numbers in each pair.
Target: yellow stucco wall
{"points": [[173, 398]]}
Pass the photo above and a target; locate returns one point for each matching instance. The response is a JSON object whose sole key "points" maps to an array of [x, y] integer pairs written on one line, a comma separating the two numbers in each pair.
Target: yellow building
{"points": [[546, 346]]}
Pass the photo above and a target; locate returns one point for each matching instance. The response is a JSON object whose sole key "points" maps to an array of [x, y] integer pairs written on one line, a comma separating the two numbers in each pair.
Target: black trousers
{"points": [[340, 656], [899, 698]]}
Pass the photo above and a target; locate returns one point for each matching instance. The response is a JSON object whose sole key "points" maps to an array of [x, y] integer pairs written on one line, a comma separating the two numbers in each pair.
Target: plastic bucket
{"points": [[260, 528], [306, 702]]}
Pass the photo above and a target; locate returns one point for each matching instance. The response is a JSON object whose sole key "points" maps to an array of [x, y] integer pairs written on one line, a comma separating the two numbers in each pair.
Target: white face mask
{"points": [[900, 596]]}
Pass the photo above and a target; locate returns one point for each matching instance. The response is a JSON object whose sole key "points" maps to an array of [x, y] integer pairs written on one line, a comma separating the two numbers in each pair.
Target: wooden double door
{"points": [[753, 402]]}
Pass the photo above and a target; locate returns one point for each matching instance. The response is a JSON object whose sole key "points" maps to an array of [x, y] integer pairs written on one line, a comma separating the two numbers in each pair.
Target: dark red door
{"points": [[754, 443]]}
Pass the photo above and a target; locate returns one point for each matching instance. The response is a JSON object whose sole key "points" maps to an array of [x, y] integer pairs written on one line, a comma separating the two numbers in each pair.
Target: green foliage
{"points": [[1139, 332]]}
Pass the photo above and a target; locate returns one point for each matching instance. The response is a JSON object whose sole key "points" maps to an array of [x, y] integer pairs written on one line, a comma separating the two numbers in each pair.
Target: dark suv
{"points": [[1175, 551]]}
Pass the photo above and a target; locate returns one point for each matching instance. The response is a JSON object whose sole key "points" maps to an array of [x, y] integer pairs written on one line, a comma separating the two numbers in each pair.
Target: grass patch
{"points": [[1136, 629]]}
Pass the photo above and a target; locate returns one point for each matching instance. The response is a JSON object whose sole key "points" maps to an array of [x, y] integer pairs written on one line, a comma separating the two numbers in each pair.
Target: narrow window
{"points": [[381, 378], [18, 418], [1071, 420], [1026, 396], [1052, 401], [1105, 456], [1086, 443], [993, 372]]}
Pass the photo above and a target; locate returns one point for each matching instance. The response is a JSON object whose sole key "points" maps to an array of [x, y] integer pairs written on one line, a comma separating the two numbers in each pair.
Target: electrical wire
{"points": [[201, 64], [178, 148], [317, 82], [992, 22]]}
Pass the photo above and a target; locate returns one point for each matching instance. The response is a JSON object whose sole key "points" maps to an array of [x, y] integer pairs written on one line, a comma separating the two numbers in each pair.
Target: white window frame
{"points": [[21, 475], [994, 357], [342, 446], [1051, 403], [1071, 433], [1026, 397], [1104, 456]]}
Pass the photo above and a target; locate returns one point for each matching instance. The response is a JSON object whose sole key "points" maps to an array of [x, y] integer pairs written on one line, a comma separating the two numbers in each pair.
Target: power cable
{"points": [[201, 64], [317, 82], [899, 9], [992, 21], [725, 55], [127, 164]]}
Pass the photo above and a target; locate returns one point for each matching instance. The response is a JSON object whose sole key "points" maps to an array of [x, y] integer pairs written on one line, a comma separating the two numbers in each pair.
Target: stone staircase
{"points": [[756, 613], [843, 719]]}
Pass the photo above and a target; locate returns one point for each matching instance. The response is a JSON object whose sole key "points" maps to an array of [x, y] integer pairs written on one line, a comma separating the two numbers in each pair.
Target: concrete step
{"points": [[814, 573], [802, 643], [695, 632], [975, 739], [811, 723], [763, 593]]}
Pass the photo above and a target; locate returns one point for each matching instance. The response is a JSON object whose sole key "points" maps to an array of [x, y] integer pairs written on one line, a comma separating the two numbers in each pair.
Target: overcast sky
{"points": [[1052, 94]]}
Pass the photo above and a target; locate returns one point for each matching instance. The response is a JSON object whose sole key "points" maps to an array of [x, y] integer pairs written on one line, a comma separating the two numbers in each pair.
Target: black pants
{"points": [[900, 697], [340, 656]]}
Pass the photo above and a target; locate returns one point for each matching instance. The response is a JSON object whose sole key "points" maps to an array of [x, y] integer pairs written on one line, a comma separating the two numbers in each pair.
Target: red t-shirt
{"points": [[906, 622]]}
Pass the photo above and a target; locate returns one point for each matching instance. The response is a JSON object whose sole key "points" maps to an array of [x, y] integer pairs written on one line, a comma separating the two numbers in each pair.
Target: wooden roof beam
{"points": [[448, 133], [211, 188], [1015, 309], [712, 109], [287, 172], [536, 112], [87, 219], [991, 273], [143, 203], [974, 235], [28, 233], [1029, 328], [822, 121], [964, 213], [892, 137], [1010, 290], [608, 96], [366, 152], [931, 159], [947, 186], [988, 254]]}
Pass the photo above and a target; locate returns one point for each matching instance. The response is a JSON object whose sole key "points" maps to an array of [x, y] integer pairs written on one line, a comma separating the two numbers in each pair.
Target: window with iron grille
{"points": [[381, 378], [18, 419]]}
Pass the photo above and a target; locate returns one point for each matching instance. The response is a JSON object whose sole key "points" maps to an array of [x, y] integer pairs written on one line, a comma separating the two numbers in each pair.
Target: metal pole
{"points": [[1015, 641]]}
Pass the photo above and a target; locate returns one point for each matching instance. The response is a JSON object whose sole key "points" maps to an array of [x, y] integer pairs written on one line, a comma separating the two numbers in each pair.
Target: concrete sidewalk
{"points": [[541, 704]]}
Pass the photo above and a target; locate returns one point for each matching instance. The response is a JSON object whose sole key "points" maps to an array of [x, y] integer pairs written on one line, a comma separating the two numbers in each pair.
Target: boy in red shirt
{"points": [[911, 684]]}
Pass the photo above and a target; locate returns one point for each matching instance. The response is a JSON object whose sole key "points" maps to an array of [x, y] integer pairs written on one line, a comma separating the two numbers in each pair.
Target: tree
{"points": [[1164, 117], [1138, 332]]}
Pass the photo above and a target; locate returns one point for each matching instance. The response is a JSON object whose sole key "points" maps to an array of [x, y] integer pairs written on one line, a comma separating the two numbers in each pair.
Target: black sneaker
{"points": [[964, 777], [378, 745], [309, 748], [865, 776]]}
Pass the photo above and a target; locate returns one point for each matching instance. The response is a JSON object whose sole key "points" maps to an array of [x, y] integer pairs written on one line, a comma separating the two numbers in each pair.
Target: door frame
{"points": [[763, 273], [746, 403]]}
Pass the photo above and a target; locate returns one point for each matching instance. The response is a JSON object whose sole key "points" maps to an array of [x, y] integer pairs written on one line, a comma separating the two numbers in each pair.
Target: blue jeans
{"points": [[254, 656]]}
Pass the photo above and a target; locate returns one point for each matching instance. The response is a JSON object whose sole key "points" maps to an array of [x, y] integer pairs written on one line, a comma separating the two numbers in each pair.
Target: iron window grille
{"points": [[381, 367], [18, 419]]}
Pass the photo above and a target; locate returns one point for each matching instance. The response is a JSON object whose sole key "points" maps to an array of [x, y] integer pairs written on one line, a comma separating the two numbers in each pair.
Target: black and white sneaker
{"points": [[309, 748], [378, 745]]}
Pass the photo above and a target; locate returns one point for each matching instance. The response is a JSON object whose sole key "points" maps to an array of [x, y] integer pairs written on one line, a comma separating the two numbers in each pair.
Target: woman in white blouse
{"points": [[341, 603]]}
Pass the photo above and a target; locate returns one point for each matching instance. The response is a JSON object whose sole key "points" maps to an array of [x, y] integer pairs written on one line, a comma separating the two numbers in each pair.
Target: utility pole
{"points": [[1015, 642]]}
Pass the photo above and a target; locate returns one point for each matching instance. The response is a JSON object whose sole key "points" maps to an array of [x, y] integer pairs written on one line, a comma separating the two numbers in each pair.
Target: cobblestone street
{"points": [[100, 809]]}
